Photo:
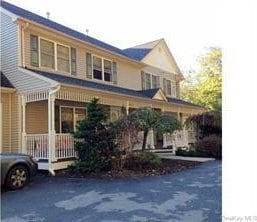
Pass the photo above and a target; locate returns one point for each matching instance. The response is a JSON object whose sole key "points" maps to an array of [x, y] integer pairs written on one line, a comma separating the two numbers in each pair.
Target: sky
{"points": [[188, 27]]}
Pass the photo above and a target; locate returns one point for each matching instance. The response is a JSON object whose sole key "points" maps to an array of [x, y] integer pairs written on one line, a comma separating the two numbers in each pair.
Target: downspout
{"points": [[50, 128]]}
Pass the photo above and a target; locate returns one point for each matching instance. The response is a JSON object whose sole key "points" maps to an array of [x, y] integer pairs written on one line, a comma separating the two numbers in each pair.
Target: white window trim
{"points": [[73, 114], [102, 62], [55, 54], [168, 93], [151, 77]]}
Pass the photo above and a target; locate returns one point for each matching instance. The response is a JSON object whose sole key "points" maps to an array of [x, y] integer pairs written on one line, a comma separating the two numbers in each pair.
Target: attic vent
{"points": [[159, 49]]}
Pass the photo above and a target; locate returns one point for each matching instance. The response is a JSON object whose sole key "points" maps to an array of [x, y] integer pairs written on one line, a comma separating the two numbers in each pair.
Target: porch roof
{"points": [[150, 93], [5, 82]]}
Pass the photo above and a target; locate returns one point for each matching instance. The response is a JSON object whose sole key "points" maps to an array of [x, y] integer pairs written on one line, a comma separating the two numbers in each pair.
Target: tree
{"points": [[146, 119], [94, 138], [205, 86]]}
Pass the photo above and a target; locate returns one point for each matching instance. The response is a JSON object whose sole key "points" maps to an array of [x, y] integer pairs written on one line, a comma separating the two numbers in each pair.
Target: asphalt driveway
{"points": [[191, 195]]}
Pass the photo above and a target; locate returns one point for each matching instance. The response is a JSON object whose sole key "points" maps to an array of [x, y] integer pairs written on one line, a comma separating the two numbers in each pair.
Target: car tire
{"points": [[17, 177]]}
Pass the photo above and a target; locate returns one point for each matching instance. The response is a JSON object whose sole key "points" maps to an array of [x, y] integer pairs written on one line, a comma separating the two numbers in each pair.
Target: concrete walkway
{"points": [[193, 195], [171, 156]]}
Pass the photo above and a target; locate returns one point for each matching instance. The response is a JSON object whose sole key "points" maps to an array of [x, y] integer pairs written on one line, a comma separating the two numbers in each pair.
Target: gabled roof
{"points": [[61, 28], [150, 93], [140, 51], [5, 82], [156, 93]]}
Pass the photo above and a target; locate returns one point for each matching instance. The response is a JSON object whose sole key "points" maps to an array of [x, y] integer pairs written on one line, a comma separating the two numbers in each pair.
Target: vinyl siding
{"points": [[15, 123], [128, 75], [10, 123], [10, 58], [6, 122], [37, 117]]}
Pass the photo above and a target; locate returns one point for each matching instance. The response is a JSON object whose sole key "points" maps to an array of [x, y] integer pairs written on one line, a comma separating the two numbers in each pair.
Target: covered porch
{"points": [[49, 118]]}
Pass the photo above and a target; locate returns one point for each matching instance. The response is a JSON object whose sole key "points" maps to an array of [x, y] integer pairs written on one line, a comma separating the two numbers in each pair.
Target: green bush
{"points": [[95, 140], [142, 160], [189, 152], [211, 146]]}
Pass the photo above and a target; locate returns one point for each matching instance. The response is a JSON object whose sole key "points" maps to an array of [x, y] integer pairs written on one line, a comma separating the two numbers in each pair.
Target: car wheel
{"points": [[17, 177]]}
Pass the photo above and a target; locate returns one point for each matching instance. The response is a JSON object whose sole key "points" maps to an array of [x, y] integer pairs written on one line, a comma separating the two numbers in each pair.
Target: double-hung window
{"points": [[148, 81], [102, 69], [69, 117], [97, 68], [107, 70], [63, 58], [47, 54], [168, 87]]}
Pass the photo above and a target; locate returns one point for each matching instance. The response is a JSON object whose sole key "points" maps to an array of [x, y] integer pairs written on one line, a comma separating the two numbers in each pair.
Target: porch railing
{"points": [[181, 138], [64, 146], [37, 146]]}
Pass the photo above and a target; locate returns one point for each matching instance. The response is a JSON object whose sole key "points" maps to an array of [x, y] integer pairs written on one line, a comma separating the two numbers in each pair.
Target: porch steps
{"points": [[162, 150], [58, 165]]}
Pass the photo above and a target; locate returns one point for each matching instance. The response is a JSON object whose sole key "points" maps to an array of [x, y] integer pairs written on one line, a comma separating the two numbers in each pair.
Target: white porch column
{"points": [[127, 108], [51, 129], [23, 134], [165, 141], [150, 139]]}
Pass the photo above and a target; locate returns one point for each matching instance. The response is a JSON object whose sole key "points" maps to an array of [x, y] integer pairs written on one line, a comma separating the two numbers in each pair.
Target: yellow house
{"points": [[52, 71]]}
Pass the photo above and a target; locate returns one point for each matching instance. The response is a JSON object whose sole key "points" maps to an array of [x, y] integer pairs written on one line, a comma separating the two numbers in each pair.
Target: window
{"points": [[97, 68], [80, 114], [69, 117], [73, 61], [168, 87], [102, 68], [154, 81], [173, 89], [47, 54], [63, 58], [34, 50], [67, 120], [107, 70], [147, 81]]}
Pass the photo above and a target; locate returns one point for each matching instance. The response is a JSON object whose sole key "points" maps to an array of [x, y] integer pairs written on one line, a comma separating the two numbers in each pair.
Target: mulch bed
{"points": [[167, 166]]}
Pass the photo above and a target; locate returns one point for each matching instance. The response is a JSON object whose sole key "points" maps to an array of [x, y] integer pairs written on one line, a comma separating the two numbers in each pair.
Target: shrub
{"points": [[189, 152], [142, 160], [211, 146], [94, 140]]}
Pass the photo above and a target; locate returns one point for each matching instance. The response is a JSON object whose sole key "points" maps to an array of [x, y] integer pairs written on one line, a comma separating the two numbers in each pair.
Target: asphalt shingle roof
{"points": [[182, 102], [5, 82], [149, 93], [61, 28], [136, 53]]}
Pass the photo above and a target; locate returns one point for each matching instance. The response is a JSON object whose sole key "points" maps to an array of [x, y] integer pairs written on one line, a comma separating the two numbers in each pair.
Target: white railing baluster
{"points": [[37, 145]]}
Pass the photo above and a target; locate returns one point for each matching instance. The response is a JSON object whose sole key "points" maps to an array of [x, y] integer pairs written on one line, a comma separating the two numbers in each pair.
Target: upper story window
{"points": [[170, 87], [97, 68], [155, 81], [47, 54], [63, 58], [149, 81], [52, 55], [107, 70], [103, 69]]}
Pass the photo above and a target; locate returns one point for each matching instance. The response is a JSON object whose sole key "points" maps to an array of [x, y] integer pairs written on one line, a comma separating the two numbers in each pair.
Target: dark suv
{"points": [[17, 169]]}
